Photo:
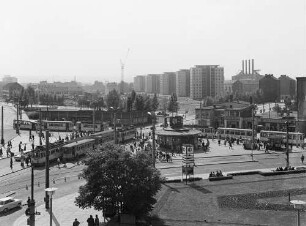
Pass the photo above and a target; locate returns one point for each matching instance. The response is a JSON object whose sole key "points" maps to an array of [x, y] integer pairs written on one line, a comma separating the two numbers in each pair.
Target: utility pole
{"points": [[94, 120], [17, 125], [115, 119], [287, 145], [252, 132], [2, 139], [40, 129], [32, 203], [47, 170], [153, 138]]}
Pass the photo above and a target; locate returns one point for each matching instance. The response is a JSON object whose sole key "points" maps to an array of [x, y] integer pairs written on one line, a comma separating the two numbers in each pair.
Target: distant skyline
{"points": [[59, 40]]}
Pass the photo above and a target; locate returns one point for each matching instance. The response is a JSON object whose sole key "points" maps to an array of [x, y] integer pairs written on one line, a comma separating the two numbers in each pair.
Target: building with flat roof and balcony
{"points": [[183, 83], [139, 83], [167, 83], [152, 83], [206, 81]]}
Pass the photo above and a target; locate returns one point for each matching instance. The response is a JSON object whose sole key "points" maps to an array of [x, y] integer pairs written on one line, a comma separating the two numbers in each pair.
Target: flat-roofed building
{"points": [[139, 83], [167, 83], [206, 80], [183, 83]]}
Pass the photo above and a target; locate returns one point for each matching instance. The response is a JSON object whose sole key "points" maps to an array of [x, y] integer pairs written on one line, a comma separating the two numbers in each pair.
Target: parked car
{"points": [[9, 203], [25, 154]]}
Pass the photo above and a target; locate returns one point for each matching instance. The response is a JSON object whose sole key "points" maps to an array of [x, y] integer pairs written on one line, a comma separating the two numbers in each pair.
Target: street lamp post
{"points": [[287, 144], [115, 119], [50, 192], [153, 137], [2, 139], [298, 205], [253, 108]]}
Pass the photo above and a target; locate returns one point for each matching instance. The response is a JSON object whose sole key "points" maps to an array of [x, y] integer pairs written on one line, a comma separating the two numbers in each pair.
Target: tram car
{"points": [[65, 126], [39, 157], [88, 127], [125, 134], [294, 138], [223, 133], [104, 136], [25, 124], [77, 148]]}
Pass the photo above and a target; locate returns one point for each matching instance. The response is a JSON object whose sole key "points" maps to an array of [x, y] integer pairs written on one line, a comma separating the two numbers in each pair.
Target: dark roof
{"points": [[11, 85]]}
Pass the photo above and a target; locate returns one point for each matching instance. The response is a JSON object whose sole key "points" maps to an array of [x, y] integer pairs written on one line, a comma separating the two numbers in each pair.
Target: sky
{"points": [[60, 40]]}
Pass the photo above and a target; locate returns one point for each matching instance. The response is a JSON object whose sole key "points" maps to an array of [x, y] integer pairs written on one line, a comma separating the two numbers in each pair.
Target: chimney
{"points": [[242, 66], [249, 66], [246, 66], [252, 66]]}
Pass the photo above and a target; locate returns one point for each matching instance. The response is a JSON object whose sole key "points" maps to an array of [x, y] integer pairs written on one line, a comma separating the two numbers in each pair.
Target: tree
{"points": [[173, 104], [155, 103], [115, 176], [139, 103], [147, 104], [133, 95], [129, 104], [113, 99]]}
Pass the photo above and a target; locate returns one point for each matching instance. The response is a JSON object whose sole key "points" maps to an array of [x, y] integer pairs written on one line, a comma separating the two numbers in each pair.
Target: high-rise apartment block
{"points": [[206, 80], [152, 84], [139, 83], [183, 83], [167, 83]]}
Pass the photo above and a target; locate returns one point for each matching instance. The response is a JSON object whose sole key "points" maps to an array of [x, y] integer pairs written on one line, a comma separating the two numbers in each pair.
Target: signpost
{"points": [[188, 160]]}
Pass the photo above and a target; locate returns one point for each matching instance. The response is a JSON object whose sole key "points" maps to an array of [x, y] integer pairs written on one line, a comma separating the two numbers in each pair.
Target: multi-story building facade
{"points": [[111, 86], [9, 79], [228, 87], [245, 86], [139, 83], [287, 87], [269, 86], [152, 84], [167, 83], [206, 80], [183, 83], [60, 88]]}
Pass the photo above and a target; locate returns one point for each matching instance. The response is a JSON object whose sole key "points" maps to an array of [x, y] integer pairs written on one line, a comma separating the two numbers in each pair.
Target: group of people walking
{"points": [[90, 221]]}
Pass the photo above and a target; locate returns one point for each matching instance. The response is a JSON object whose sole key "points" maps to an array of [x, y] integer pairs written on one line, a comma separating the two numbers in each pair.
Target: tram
{"points": [[223, 133], [25, 124], [77, 148], [294, 138]]}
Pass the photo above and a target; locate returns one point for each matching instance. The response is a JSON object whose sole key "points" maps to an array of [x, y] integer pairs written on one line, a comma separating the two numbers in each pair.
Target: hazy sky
{"points": [[58, 39]]}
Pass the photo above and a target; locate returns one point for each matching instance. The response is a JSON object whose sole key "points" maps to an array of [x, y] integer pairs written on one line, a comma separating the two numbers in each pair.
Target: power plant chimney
{"points": [[246, 66], [249, 66], [242, 66], [253, 66]]}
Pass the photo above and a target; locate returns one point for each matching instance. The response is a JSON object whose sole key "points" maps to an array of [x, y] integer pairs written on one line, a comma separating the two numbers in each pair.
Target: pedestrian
{"points": [[20, 146], [33, 146], [58, 162], [25, 147], [1, 152], [11, 163], [91, 221], [76, 222], [302, 159], [27, 161], [29, 202], [97, 222]]}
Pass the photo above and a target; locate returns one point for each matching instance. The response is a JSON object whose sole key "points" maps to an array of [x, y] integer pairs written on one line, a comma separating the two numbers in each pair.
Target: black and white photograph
{"points": [[152, 113]]}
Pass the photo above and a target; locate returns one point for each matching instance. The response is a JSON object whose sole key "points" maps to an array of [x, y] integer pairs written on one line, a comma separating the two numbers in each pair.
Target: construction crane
{"points": [[122, 63]]}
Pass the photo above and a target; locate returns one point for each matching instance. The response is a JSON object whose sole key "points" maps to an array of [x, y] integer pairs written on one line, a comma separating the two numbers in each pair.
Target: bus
{"points": [[294, 138], [65, 126], [223, 133]]}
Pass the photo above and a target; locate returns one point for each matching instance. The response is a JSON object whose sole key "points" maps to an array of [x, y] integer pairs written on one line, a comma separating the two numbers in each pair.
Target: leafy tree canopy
{"points": [[155, 103], [173, 104], [113, 99], [115, 176]]}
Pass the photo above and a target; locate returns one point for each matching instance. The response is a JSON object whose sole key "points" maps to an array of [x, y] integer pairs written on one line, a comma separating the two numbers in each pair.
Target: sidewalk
{"points": [[64, 212]]}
